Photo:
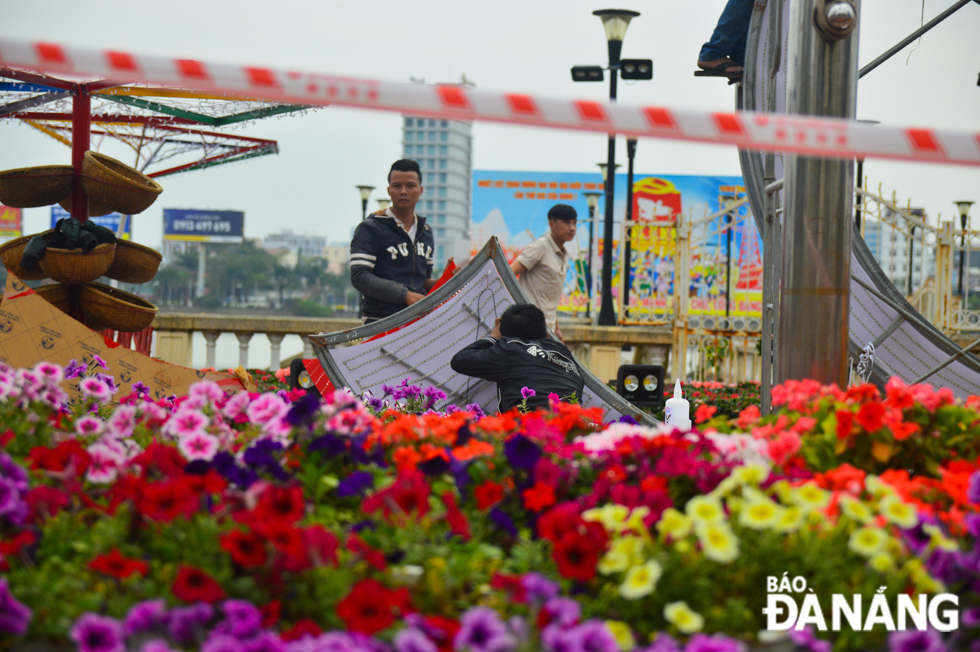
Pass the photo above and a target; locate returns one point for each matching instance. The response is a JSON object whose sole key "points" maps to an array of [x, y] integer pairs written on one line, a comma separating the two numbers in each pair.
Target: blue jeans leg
{"points": [[731, 33]]}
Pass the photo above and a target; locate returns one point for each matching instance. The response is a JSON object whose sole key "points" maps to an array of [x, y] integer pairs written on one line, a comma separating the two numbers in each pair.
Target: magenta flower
{"points": [[95, 633], [14, 616], [105, 463], [140, 389], [222, 643], [122, 422], [482, 630], [242, 618], [973, 489], [145, 616], [186, 423], [99, 362], [266, 408], [413, 640], [207, 389], [51, 373], [716, 643], [527, 392], [916, 641]]}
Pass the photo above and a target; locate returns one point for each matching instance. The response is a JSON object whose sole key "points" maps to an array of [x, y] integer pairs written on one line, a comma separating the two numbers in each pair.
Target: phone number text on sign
{"points": [[201, 226]]}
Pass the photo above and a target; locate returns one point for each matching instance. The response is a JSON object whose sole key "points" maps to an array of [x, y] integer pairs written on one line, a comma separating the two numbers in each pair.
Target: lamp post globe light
{"points": [[964, 207], [592, 199], [383, 204], [365, 196], [614, 22]]}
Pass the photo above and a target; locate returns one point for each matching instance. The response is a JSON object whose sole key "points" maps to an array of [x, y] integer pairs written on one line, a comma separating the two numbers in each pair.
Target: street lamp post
{"points": [[729, 219], [627, 263], [615, 22], [964, 208], [365, 195], [592, 199]]}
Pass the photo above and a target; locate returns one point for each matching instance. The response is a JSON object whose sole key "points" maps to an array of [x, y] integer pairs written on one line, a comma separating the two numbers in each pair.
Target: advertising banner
{"points": [[110, 221], [11, 222], [513, 206], [190, 225]]}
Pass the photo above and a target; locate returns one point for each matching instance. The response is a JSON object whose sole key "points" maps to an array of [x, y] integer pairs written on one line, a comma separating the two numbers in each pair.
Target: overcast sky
{"points": [[502, 45]]}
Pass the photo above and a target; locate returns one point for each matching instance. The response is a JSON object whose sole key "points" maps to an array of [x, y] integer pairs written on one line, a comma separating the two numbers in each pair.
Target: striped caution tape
{"points": [[800, 134]]}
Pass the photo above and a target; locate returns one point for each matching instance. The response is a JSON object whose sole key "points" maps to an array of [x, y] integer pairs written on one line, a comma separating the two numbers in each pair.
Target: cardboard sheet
{"points": [[32, 330]]}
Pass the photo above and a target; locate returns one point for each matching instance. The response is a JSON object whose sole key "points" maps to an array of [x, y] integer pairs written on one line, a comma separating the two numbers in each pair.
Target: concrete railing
{"points": [[598, 347]]}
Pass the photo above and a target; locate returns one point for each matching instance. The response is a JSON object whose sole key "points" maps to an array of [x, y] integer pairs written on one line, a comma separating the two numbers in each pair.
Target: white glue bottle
{"points": [[677, 411]]}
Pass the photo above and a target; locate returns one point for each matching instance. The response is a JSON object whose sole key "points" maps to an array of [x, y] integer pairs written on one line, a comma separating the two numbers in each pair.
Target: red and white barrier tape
{"points": [[800, 134]]}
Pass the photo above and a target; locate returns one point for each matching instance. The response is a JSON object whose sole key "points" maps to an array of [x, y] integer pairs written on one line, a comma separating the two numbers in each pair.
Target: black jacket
{"points": [[385, 265], [546, 366]]}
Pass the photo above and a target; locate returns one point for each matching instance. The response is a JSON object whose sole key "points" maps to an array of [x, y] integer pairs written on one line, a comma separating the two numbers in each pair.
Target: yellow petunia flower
{"points": [[623, 553], [897, 512], [635, 522], [856, 510], [705, 510], [882, 562], [622, 633], [641, 580], [939, 538], [790, 519], [674, 524], [683, 617], [782, 489], [868, 541], [751, 474], [718, 542], [613, 562], [877, 488], [759, 514], [612, 516], [810, 496]]}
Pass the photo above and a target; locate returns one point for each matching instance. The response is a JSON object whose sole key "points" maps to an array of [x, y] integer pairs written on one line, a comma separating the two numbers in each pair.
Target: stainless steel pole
{"points": [[814, 303]]}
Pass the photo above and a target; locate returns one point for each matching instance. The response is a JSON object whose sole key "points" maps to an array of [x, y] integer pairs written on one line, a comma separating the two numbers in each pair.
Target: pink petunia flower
{"points": [[207, 389], [89, 425], [105, 463], [186, 422], [122, 422], [51, 373], [199, 446], [95, 388], [266, 408], [236, 406]]}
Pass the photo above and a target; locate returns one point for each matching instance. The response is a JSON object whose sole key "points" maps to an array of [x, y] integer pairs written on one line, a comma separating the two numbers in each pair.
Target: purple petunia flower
{"points": [[413, 640], [75, 369], [806, 639], [916, 641], [973, 489], [14, 616], [145, 616], [13, 472], [664, 643], [522, 453], [156, 645], [481, 630], [596, 637], [560, 639], [944, 565], [527, 392], [140, 389], [96, 360], [716, 643], [222, 643], [539, 588], [185, 622], [476, 409], [304, 410], [501, 519], [564, 611], [10, 500], [242, 619], [264, 642], [95, 633], [356, 483]]}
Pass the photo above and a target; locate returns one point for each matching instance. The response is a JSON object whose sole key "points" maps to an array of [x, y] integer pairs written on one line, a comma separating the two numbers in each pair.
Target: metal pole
{"points": [[627, 263], [588, 266], [814, 303], [201, 262], [364, 209], [857, 209], [728, 264], [911, 244], [962, 258], [911, 37], [81, 125], [607, 316]]}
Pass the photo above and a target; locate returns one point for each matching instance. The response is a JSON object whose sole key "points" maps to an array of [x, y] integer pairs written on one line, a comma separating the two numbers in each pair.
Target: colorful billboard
{"points": [[11, 222], [189, 225], [110, 221], [514, 206]]}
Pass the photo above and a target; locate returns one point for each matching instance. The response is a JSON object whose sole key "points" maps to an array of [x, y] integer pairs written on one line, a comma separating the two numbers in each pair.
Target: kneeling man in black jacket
{"points": [[518, 353]]}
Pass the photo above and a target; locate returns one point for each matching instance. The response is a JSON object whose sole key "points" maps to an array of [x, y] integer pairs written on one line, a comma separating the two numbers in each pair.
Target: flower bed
{"points": [[280, 521]]}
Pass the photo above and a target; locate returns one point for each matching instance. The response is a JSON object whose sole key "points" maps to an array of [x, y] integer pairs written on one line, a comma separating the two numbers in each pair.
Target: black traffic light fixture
{"points": [[641, 384], [587, 74], [636, 68]]}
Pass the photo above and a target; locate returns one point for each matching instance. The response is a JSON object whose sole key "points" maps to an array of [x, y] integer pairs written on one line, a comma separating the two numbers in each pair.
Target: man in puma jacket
{"points": [[391, 253], [518, 353]]}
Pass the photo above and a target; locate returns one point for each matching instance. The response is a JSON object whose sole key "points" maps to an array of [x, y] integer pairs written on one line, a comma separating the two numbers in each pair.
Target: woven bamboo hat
{"points": [[37, 186], [109, 182], [11, 253], [111, 308], [134, 263]]}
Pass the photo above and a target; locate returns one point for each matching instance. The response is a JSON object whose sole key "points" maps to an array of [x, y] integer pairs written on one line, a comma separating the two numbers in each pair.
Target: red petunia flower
{"points": [[539, 497], [457, 520], [165, 501], [13, 546], [162, 460], [281, 504], [270, 613], [371, 607], [513, 585], [321, 545], [68, 455], [488, 494], [46, 501], [576, 556], [194, 585], [442, 631], [211, 482], [304, 627], [116, 565], [358, 546], [554, 523], [6, 437], [409, 493], [871, 416], [285, 538], [246, 549]]}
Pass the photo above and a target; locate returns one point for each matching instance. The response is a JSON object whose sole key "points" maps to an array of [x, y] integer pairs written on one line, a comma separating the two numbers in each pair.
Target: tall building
{"points": [[893, 249], [304, 246], [443, 149]]}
